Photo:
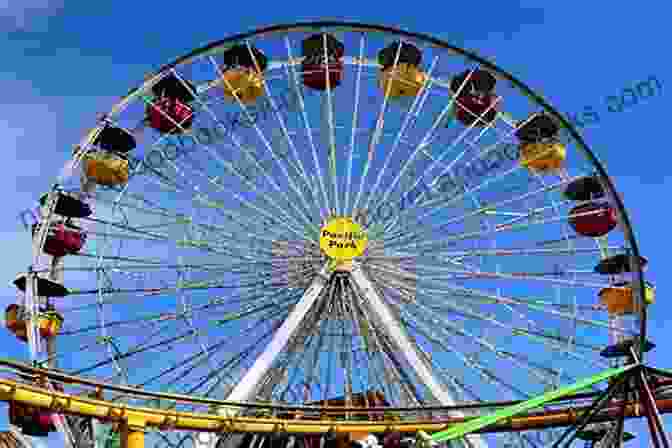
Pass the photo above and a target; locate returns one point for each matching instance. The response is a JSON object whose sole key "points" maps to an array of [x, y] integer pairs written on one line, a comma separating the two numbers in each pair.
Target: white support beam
{"points": [[397, 335], [248, 386]]}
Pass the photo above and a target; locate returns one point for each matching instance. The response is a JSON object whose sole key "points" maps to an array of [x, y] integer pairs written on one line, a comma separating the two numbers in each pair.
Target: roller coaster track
{"points": [[567, 412]]}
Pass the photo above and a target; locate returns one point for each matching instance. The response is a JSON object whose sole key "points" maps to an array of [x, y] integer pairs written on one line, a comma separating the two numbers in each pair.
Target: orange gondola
{"points": [[15, 321], [620, 300], [49, 322], [106, 168]]}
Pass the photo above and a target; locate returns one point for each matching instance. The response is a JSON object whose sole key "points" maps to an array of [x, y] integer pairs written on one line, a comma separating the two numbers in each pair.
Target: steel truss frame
{"points": [[634, 379]]}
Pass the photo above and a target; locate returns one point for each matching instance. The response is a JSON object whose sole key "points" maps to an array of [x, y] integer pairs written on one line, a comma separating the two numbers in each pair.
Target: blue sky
{"points": [[64, 64]]}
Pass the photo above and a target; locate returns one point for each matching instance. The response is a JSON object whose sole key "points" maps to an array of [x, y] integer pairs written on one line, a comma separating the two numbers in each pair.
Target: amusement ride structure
{"points": [[311, 235]]}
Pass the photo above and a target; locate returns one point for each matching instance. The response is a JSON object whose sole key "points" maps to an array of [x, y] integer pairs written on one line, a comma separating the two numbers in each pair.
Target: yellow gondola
{"points": [[400, 70], [49, 324], [540, 147], [543, 157], [246, 84], [244, 74], [404, 81], [106, 168]]}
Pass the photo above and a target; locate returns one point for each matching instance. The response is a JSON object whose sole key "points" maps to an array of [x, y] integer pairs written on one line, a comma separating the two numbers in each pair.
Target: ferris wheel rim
{"points": [[625, 221], [364, 28]]}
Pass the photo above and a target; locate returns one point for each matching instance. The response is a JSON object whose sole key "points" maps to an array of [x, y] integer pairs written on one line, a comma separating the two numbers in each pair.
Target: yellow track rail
{"points": [[166, 420], [140, 416], [133, 420]]}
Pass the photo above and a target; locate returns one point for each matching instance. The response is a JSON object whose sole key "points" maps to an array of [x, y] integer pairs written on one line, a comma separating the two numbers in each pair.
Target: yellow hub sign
{"points": [[343, 239]]}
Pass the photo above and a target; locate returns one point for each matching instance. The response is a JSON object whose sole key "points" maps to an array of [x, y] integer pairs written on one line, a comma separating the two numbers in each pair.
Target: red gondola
{"points": [[171, 107], [598, 219], [475, 95], [318, 74], [62, 239], [471, 109], [170, 115]]}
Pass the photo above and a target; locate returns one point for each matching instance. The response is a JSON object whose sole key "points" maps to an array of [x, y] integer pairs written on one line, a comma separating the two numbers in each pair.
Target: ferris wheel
{"points": [[334, 215]]}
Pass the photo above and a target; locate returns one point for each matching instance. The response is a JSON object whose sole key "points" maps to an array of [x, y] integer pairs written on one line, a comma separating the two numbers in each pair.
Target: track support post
{"points": [[133, 432]]}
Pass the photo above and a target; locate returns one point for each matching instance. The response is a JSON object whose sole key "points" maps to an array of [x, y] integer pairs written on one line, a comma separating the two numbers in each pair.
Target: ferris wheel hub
{"points": [[342, 239]]}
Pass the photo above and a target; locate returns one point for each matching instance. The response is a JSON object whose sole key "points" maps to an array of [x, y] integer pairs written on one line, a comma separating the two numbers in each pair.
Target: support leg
{"points": [[652, 414], [249, 384], [248, 387], [392, 326], [618, 443], [652, 427]]}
